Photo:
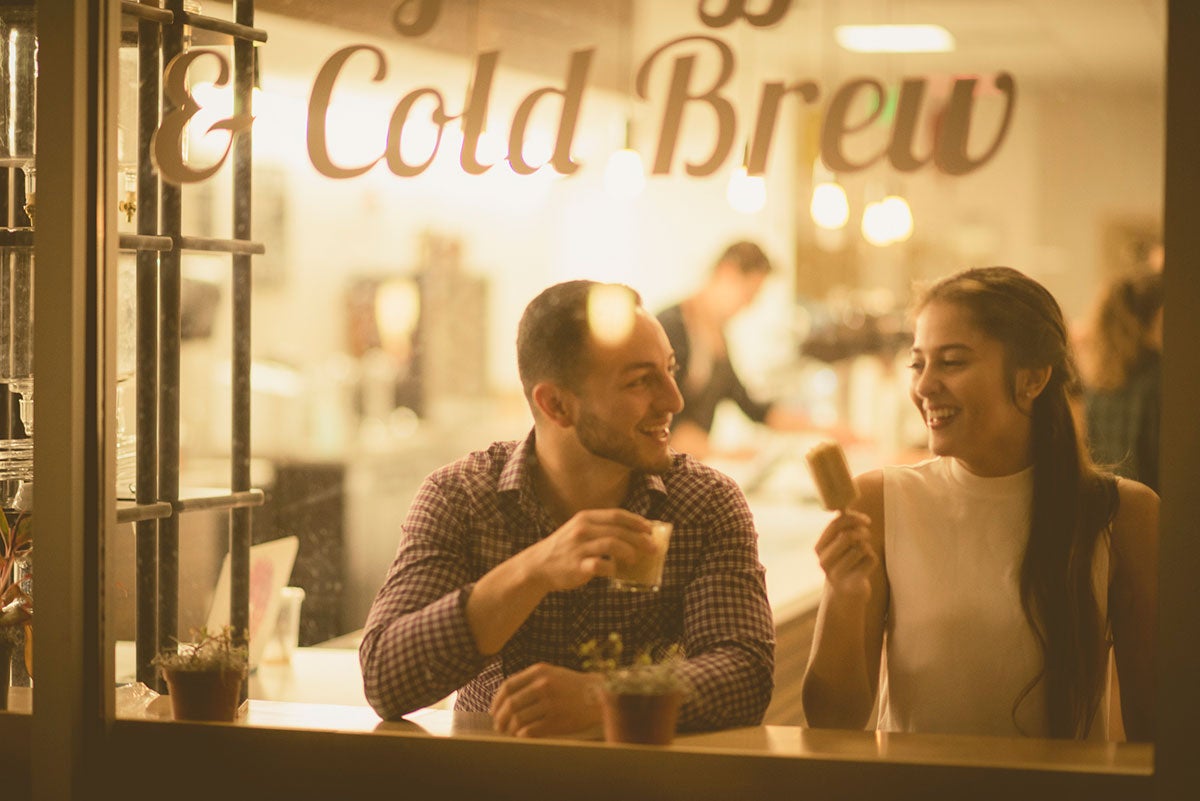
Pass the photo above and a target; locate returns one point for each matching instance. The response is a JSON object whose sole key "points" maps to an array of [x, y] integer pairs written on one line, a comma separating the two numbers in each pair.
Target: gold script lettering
{"points": [[768, 111], [395, 160], [166, 145], [318, 111], [835, 125], [908, 108], [737, 8], [951, 153], [572, 99], [679, 95]]}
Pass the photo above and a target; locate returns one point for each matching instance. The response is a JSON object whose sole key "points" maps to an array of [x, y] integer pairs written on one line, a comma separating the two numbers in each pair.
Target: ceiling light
{"points": [[830, 208], [887, 221], [894, 38], [746, 193]]}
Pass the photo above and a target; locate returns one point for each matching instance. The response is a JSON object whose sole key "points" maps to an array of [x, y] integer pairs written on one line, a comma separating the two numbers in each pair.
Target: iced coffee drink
{"points": [[645, 574]]}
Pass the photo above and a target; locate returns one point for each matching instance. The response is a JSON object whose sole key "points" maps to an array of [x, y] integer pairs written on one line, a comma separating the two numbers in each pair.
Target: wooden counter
{"points": [[324, 693], [764, 741]]}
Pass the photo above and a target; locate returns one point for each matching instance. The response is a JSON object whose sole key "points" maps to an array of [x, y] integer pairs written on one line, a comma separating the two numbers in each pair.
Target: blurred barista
{"points": [[696, 329]]}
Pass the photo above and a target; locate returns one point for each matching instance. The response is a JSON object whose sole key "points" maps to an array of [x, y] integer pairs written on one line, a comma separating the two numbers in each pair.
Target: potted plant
{"points": [[640, 697], [204, 677], [16, 606]]}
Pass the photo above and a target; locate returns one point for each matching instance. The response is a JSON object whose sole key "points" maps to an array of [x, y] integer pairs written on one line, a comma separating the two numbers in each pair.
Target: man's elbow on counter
{"points": [[382, 684], [746, 708], [387, 704]]}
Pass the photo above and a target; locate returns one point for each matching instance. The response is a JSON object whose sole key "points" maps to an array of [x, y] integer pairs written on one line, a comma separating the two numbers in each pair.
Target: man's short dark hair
{"points": [[553, 335], [747, 257]]}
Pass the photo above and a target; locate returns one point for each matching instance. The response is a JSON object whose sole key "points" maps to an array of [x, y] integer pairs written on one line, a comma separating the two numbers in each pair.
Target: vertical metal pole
{"points": [[149, 81], [168, 386], [239, 546]]}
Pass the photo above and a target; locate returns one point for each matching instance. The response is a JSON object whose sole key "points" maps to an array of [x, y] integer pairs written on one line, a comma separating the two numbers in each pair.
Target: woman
{"points": [[999, 567], [1122, 376]]}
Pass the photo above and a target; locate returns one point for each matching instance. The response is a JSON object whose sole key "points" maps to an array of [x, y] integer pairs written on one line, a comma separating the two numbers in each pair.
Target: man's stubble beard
{"points": [[600, 440]]}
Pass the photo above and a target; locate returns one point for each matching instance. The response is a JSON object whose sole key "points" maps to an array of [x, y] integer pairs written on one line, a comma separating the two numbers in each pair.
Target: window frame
{"points": [[75, 744]]}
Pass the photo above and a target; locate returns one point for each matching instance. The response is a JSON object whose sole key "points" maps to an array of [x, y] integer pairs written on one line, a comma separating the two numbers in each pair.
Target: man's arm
{"points": [[430, 629], [417, 647], [585, 546], [729, 634], [736, 391]]}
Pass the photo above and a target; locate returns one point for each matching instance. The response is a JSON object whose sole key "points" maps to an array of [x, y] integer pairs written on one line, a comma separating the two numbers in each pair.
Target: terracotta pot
{"points": [[205, 694], [640, 718]]}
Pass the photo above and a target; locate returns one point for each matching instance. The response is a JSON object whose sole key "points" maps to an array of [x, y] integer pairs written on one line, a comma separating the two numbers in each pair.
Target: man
{"points": [[501, 571], [696, 329]]}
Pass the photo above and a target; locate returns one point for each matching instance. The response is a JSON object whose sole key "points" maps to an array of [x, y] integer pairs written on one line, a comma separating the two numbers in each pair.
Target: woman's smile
{"points": [[963, 388]]}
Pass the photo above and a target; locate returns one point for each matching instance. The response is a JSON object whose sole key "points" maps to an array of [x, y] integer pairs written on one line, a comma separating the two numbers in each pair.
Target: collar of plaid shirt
{"points": [[647, 492]]}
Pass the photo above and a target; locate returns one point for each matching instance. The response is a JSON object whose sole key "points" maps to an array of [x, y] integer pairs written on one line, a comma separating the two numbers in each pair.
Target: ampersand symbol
{"points": [[166, 146]]}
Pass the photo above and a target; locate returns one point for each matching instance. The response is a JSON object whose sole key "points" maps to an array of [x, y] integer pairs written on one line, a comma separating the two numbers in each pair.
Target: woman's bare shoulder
{"points": [[1136, 500], [1136, 521], [870, 483]]}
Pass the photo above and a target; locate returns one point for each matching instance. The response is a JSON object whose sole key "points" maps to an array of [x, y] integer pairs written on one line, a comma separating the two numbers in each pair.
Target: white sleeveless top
{"points": [[959, 650]]}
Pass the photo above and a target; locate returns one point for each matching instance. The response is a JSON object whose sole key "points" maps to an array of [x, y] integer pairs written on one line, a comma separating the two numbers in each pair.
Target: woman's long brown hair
{"points": [[1073, 503]]}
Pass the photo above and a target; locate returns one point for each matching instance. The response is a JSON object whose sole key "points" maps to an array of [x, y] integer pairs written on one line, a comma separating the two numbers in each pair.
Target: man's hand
{"points": [[544, 700], [587, 545]]}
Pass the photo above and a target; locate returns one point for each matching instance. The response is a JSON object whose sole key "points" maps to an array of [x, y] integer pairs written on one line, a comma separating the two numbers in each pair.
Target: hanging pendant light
{"points": [[899, 218], [887, 221], [746, 193], [829, 208], [624, 175]]}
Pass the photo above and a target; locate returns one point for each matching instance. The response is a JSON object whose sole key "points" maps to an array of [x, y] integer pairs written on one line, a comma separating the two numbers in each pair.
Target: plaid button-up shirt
{"points": [[479, 511]]}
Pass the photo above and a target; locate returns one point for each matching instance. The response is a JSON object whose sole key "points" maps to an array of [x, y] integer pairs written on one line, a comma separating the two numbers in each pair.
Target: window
{"points": [[362, 360]]}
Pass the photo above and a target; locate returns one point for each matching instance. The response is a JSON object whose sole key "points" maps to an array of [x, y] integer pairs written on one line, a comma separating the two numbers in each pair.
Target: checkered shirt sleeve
{"points": [[728, 630], [417, 647]]}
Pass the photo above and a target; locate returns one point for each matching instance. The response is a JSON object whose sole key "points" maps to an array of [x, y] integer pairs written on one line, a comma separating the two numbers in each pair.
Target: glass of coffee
{"points": [[646, 572]]}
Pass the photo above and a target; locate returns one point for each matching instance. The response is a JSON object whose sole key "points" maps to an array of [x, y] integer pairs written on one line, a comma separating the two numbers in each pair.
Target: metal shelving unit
{"points": [[160, 246]]}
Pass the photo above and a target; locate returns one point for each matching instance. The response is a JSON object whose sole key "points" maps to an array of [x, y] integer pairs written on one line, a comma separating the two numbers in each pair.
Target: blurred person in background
{"points": [[696, 329], [1120, 357]]}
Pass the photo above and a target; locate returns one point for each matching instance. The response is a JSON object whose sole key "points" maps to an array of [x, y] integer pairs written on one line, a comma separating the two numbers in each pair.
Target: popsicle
{"points": [[827, 463]]}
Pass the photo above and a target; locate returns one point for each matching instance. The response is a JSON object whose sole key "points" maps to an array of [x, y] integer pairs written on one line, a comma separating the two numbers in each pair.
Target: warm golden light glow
{"points": [[746, 193], [611, 311], [887, 221], [829, 208], [397, 311], [894, 38]]}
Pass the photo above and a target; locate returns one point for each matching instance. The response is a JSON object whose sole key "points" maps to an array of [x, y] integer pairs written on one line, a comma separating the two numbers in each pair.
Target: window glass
{"points": [[422, 170], [18, 43]]}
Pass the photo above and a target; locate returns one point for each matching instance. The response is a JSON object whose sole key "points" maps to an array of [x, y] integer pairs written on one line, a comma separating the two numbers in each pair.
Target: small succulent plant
{"points": [[208, 651], [642, 674]]}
